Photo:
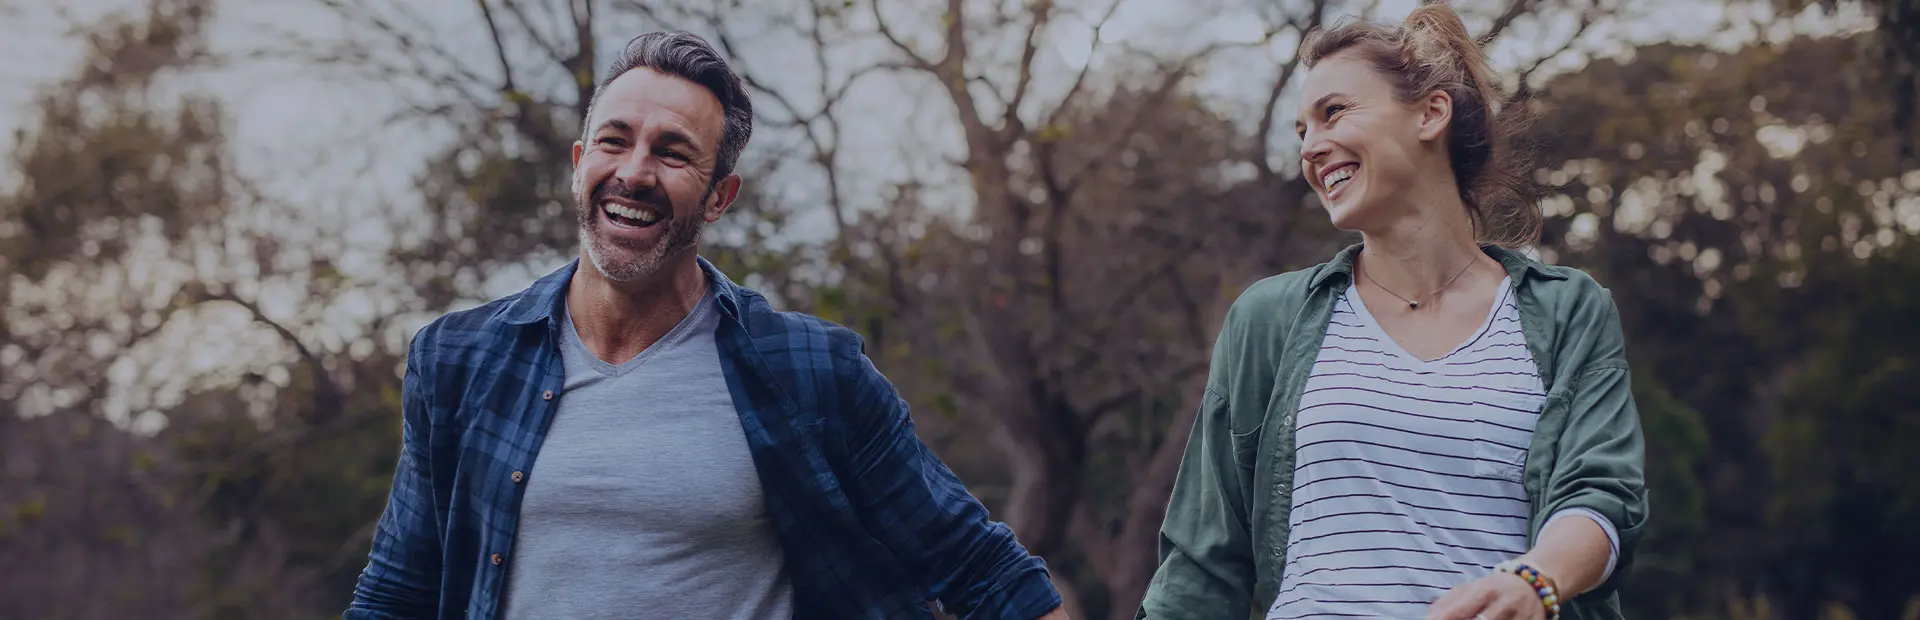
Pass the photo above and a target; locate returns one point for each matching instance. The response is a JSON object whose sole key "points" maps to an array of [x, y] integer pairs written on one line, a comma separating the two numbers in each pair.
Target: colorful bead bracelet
{"points": [[1549, 593]]}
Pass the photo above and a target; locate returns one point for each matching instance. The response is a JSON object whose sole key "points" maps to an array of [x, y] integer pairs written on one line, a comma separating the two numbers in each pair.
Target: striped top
{"points": [[1408, 472]]}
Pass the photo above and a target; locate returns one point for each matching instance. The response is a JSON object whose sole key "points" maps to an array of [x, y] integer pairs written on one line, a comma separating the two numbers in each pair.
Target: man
{"points": [[635, 436]]}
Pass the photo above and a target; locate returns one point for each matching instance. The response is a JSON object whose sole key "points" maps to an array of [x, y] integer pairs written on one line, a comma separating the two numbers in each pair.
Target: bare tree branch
{"points": [[533, 32], [1506, 18], [580, 65], [1523, 83], [1042, 11], [1263, 134], [329, 398], [1080, 80], [1169, 80], [499, 46], [913, 57], [1135, 390]]}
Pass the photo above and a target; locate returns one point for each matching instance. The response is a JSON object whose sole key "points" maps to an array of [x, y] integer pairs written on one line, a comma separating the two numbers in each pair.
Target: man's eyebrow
{"points": [[613, 123], [675, 136]]}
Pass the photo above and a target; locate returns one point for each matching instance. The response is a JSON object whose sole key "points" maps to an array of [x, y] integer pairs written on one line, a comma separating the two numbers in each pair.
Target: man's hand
{"points": [[1499, 596]]}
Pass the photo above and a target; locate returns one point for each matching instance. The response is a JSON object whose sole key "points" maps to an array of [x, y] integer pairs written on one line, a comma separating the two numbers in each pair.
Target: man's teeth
{"points": [[1337, 176], [644, 217]]}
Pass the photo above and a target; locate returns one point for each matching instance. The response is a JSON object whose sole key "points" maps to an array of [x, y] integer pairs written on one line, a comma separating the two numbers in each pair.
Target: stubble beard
{"points": [[627, 261]]}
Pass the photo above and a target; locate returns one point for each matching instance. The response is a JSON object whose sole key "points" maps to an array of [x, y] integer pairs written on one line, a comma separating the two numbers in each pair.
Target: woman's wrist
{"points": [[1542, 584]]}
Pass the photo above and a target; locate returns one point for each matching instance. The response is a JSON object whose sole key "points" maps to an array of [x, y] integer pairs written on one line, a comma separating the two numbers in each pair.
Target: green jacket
{"points": [[1223, 545]]}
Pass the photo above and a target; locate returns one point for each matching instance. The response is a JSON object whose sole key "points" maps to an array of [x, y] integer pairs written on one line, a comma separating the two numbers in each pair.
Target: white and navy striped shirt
{"points": [[1407, 476]]}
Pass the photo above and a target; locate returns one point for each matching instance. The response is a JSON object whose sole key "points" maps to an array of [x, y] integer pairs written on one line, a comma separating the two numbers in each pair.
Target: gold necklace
{"points": [[1411, 304]]}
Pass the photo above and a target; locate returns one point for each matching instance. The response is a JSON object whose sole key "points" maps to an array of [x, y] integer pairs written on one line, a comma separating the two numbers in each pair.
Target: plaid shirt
{"points": [[873, 525]]}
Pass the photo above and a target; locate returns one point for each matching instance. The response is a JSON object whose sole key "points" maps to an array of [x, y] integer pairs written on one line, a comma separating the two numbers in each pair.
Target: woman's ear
{"points": [[1436, 114]]}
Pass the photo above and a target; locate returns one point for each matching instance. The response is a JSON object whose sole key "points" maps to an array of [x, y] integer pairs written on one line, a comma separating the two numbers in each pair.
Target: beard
{"points": [[626, 260]]}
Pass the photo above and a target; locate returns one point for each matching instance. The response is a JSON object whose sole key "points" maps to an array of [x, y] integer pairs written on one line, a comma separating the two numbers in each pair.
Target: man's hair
{"points": [[687, 56]]}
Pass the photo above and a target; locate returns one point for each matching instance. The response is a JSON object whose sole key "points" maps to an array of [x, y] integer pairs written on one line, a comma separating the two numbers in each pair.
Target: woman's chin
{"points": [[1348, 213]]}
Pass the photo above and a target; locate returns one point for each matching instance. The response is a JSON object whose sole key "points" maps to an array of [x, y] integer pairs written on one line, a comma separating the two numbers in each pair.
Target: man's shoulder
{"points": [[780, 332], [464, 328]]}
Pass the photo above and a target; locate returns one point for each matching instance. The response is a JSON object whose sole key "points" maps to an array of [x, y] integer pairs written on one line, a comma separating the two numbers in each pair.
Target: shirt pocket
{"points": [[1503, 427]]}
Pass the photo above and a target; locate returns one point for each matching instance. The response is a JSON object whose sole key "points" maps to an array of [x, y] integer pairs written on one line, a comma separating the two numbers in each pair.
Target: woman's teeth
{"points": [[1337, 177]]}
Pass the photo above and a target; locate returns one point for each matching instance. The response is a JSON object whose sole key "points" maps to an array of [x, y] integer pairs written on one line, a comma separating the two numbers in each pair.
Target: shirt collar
{"points": [[1518, 265], [541, 301]]}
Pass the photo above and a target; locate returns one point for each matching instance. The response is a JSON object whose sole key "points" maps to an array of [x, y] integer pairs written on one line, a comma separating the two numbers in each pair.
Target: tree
{"points": [[1752, 205]]}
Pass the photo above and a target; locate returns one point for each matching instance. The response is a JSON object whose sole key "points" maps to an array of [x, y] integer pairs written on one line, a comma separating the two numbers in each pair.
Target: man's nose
{"points": [[638, 169]]}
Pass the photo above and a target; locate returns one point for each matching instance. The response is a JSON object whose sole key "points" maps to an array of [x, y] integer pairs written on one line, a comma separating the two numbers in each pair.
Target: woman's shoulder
{"points": [[1282, 292], [1574, 292], [1583, 315]]}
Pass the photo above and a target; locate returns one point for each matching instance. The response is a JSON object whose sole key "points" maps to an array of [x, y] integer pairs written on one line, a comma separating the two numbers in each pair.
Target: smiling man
{"points": [[635, 436]]}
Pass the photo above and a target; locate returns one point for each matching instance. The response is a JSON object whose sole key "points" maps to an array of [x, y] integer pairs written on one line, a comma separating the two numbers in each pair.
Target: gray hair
{"points": [[686, 55]]}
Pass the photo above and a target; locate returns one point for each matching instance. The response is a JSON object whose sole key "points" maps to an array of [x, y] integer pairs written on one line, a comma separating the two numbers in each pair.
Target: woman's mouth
{"points": [[1337, 178]]}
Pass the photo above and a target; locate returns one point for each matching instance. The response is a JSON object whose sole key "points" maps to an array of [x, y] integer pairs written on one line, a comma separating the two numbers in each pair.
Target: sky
{"points": [[314, 139]]}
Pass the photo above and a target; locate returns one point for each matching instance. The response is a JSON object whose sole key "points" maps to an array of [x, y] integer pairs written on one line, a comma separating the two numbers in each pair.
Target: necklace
{"points": [[1412, 304]]}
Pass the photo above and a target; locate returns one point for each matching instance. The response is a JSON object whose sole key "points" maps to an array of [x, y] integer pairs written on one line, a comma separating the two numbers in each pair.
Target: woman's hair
{"points": [[1431, 51]]}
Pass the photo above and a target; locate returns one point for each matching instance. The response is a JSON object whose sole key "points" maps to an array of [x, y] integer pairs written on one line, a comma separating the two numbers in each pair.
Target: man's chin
{"points": [[623, 264]]}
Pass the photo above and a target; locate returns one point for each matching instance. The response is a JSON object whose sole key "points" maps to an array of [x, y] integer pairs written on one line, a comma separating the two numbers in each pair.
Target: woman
{"points": [[1430, 425]]}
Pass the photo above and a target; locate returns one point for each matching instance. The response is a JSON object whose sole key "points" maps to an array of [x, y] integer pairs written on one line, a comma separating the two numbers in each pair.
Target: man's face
{"points": [[642, 181]]}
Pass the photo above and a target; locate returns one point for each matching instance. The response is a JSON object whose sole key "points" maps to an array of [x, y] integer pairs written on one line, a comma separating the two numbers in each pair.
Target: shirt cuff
{"points": [[1613, 534]]}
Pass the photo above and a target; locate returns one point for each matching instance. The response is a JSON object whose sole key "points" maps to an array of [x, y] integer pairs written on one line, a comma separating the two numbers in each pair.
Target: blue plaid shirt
{"points": [[873, 525]]}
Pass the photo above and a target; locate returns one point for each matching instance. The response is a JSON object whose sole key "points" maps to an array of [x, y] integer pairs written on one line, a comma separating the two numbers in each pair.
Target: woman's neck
{"points": [[1430, 247]]}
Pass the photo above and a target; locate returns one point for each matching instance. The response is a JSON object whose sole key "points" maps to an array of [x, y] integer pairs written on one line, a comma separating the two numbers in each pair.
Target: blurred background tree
{"points": [[201, 397]]}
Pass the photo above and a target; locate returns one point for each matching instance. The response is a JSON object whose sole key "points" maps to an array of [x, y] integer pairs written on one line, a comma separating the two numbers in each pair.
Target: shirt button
{"points": [[497, 559], [547, 395], [517, 476]]}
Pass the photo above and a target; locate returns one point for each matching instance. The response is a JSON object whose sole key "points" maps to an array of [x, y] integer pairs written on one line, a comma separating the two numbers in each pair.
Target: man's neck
{"points": [[619, 320]]}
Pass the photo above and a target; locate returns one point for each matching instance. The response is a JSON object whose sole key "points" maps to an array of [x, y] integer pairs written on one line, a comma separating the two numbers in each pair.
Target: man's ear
{"points": [[577, 150], [1436, 114], [722, 197]]}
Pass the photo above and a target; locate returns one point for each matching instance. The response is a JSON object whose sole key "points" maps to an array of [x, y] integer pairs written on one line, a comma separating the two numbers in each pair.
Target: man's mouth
{"points": [[629, 217]]}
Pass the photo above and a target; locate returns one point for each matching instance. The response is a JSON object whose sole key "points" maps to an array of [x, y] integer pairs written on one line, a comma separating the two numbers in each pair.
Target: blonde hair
{"points": [[1431, 51]]}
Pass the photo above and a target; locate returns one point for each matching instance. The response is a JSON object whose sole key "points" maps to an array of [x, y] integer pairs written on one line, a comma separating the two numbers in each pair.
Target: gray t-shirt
{"points": [[644, 501]]}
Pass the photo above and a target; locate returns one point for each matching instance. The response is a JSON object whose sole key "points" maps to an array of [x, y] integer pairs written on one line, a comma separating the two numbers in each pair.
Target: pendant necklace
{"points": [[1413, 304]]}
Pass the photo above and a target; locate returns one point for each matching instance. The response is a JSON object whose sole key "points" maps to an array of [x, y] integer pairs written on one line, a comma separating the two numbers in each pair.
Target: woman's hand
{"points": [[1498, 596]]}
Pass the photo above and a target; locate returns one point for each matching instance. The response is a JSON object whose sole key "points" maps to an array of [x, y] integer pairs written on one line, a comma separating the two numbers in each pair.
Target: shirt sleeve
{"points": [[1613, 534], [925, 516], [402, 575]]}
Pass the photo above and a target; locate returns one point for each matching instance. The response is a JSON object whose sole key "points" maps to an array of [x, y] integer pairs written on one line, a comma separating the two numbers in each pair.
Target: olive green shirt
{"points": [[1223, 545]]}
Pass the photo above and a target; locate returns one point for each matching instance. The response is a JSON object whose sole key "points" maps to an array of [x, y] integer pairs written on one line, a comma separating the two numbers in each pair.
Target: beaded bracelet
{"points": [[1542, 585]]}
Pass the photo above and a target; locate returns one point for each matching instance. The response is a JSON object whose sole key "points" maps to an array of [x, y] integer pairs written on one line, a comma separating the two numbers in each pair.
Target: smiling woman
{"points": [[1368, 442]]}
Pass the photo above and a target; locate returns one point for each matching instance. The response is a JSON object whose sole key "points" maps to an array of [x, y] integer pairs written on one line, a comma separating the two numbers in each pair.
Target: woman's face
{"points": [[1362, 150]]}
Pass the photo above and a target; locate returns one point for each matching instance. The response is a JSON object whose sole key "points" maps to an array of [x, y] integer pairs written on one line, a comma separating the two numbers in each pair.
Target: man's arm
{"points": [[402, 577], [921, 511]]}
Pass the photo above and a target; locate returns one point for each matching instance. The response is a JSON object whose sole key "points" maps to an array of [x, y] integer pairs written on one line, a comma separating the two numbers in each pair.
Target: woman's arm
{"points": [[1574, 553]]}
